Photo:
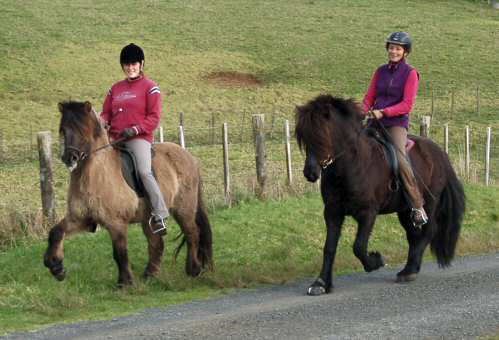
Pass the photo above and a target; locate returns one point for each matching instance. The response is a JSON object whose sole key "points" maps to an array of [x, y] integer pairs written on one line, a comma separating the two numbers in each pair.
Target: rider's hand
{"points": [[130, 132], [376, 114]]}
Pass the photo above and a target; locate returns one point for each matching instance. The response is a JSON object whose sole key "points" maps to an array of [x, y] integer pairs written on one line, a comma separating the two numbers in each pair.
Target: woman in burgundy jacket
{"points": [[132, 110], [390, 98]]}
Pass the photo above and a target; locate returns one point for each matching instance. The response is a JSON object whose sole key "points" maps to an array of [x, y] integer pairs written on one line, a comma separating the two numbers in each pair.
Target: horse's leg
{"points": [[418, 241], [54, 255], [119, 238], [155, 248], [187, 222], [373, 260], [324, 282]]}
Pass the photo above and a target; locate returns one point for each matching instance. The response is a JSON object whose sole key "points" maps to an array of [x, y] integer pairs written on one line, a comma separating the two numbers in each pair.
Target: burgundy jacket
{"points": [[136, 103]]}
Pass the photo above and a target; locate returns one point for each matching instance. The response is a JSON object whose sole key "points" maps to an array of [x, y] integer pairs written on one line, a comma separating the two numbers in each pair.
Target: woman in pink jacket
{"points": [[132, 110], [390, 98]]}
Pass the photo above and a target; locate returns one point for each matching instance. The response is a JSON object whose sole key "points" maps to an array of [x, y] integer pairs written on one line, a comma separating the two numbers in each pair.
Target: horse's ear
{"points": [[60, 106], [88, 107]]}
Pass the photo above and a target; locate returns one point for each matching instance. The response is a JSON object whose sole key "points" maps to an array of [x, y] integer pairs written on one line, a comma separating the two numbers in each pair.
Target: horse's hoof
{"points": [[318, 288], [149, 275], [376, 261], [60, 276], [406, 278]]}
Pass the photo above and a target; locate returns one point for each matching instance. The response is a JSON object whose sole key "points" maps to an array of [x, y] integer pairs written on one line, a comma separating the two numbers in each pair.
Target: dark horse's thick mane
{"points": [[78, 117], [313, 120]]}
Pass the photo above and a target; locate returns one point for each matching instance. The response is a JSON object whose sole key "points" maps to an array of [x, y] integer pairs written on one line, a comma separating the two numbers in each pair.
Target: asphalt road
{"points": [[461, 302]]}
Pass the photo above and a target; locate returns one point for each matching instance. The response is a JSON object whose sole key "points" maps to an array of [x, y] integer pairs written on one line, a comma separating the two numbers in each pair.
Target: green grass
{"points": [[54, 50], [254, 243]]}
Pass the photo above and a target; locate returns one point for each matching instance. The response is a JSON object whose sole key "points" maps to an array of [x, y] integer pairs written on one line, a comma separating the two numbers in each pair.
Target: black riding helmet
{"points": [[131, 54], [400, 38]]}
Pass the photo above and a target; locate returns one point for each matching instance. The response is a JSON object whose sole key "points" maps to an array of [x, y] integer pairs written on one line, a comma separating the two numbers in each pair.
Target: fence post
{"points": [[432, 102], [487, 156], [424, 128], [259, 140], [446, 137], [212, 132], [181, 136], [226, 164], [452, 103], [2, 147], [467, 152], [288, 152], [161, 135], [46, 178], [181, 119], [478, 100]]}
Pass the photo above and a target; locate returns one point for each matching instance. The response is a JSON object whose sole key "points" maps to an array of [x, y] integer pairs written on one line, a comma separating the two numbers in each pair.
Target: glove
{"points": [[129, 132]]}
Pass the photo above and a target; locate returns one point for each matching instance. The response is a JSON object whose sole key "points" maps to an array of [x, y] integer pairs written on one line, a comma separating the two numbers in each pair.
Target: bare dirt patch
{"points": [[233, 79]]}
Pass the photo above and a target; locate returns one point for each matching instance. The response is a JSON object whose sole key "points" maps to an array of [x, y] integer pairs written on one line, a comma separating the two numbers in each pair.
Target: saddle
{"points": [[390, 150], [129, 170]]}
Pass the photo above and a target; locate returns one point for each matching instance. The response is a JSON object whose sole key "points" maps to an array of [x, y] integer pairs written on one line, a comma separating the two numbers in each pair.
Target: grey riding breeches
{"points": [[141, 149]]}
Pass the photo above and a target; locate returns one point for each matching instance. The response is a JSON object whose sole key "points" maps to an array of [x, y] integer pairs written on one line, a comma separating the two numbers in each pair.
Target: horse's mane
{"points": [[79, 117], [313, 120]]}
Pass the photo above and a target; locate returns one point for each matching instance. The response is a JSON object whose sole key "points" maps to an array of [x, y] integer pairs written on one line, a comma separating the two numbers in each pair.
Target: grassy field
{"points": [[254, 243], [54, 50]]}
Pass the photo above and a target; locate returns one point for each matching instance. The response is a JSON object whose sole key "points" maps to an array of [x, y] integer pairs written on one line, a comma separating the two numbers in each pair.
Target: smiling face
{"points": [[396, 53], [132, 70]]}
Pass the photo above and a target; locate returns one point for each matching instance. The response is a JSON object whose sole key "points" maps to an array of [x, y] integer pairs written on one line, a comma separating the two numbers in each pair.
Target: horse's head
{"points": [[79, 128], [324, 126]]}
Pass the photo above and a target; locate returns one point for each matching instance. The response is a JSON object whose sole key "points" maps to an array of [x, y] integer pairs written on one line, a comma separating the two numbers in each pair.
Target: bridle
{"points": [[82, 155], [329, 160]]}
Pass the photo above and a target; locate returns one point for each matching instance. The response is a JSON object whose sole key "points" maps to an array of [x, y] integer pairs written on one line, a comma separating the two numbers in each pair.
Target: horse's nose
{"points": [[310, 174]]}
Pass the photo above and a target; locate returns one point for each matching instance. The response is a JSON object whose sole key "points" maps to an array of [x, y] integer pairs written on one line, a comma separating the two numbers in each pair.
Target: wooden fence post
{"points": [[181, 136], [46, 177], [487, 156], [259, 140], [467, 151], [226, 165], [212, 132], [446, 137], [478, 100], [288, 152], [452, 104], [2, 148], [181, 119], [161, 135], [424, 128]]}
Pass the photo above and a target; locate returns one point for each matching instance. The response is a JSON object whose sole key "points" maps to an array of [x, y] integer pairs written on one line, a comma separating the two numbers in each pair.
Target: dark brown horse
{"points": [[355, 181], [98, 194]]}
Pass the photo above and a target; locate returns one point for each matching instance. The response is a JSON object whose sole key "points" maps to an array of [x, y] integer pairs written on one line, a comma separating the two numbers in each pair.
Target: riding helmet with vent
{"points": [[400, 38], [130, 54]]}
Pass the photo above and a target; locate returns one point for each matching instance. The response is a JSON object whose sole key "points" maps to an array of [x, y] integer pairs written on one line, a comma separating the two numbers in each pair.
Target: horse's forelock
{"points": [[312, 128], [80, 118]]}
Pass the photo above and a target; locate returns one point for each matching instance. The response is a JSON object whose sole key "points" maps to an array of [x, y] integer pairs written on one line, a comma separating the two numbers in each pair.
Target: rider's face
{"points": [[132, 70], [395, 53]]}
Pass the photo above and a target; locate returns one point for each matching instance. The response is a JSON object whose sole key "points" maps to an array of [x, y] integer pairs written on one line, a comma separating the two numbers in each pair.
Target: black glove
{"points": [[129, 132]]}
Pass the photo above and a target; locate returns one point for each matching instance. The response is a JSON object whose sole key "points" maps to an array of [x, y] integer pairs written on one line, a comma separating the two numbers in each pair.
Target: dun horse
{"points": [[355, 181], [98, 194]]}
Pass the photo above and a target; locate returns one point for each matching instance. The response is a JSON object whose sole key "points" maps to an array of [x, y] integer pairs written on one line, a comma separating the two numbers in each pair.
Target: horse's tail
{"points": [[205, 253], [449, 216]]}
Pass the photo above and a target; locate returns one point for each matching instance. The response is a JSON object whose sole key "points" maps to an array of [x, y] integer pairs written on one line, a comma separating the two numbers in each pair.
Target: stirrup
{"points": [[422, 217], [157, 222]]}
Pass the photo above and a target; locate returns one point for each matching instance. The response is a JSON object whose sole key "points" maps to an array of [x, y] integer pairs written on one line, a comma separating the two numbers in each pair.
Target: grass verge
{"points": [[254, 243]]}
